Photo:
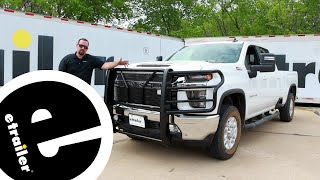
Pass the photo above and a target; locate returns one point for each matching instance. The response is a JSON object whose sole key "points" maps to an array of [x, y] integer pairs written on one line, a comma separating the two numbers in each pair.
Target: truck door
{"points": [[271, 84], [257, 90]]}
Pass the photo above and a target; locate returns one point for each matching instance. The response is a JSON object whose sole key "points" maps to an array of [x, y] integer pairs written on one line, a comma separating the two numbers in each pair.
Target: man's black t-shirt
{"points": [[81, 68]]}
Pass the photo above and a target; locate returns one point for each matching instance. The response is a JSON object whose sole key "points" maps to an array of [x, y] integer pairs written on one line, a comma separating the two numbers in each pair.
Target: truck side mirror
{"points": [[267, 58], [263, 68], [267, 63], [159, 58]]}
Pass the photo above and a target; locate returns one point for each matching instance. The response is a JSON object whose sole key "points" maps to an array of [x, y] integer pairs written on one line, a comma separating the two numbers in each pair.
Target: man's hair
{"points": [[83, 39]]}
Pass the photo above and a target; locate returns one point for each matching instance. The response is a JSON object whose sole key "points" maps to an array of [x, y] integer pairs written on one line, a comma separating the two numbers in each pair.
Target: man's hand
{"points": [[123, 62], [110, 65]]}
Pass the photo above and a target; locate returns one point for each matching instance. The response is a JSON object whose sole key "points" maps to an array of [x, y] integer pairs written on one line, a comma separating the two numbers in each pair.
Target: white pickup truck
{"points": [[205, 92]]}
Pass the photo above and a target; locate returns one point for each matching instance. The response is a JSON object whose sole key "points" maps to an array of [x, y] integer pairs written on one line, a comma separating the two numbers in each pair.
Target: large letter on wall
{"points": [[21, 63], [1, 67], [45, 53]]}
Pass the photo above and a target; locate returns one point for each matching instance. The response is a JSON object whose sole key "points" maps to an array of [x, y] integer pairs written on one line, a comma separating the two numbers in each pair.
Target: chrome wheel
{"points": [[226, 138], [230, 133]]}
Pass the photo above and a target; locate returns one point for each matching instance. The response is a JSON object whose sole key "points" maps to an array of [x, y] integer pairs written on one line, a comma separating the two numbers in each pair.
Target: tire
{"points": [[221, 146], [287, 111]]}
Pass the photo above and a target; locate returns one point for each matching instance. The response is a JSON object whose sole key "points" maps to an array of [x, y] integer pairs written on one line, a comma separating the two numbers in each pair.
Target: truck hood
{"points": [[176, 66]]}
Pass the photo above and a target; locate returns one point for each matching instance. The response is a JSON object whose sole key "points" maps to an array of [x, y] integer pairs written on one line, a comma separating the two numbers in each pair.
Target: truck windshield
{"points": [[216, 53]]}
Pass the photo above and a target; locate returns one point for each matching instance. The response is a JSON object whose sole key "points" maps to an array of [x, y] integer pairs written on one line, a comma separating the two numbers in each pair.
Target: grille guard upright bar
{"points": [[166, 102]]}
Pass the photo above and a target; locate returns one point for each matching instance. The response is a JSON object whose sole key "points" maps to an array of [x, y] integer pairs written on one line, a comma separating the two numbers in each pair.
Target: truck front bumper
{"points": [[183, 127]]}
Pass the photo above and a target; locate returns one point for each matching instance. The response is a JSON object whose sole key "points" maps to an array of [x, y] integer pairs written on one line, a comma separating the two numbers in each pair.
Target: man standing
{"points": [[82, 64]]}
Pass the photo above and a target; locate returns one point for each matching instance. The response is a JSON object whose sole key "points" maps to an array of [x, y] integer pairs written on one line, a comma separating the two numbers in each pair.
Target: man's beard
{"points": [[81, 52]]}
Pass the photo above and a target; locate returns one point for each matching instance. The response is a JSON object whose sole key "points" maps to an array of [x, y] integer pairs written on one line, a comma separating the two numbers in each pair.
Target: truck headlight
{"points": [[197, 95], [195, 78]]}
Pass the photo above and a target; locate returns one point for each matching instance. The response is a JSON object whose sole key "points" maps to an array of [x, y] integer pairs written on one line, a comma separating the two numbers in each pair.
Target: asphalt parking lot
{"points": [[274, 150]]}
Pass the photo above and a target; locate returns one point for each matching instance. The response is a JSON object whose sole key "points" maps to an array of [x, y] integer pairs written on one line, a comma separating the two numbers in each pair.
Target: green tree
{"points": [[163, 16], [95, 11]]}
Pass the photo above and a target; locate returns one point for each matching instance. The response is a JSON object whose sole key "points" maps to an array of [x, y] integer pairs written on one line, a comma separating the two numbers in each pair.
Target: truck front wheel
{"points": [[227, 136], [287, 111]]}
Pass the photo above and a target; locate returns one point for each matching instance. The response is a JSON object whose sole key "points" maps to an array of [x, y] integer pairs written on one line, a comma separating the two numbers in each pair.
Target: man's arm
{"points": [[110, 65], [63, 65]]}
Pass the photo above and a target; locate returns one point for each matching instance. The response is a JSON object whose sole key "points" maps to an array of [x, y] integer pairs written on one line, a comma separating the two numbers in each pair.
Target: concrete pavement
{"points": [[274, 150]]}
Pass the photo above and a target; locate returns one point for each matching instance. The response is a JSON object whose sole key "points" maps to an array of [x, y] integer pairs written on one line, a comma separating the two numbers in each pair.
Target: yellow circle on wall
{"points": [[22, 39]]}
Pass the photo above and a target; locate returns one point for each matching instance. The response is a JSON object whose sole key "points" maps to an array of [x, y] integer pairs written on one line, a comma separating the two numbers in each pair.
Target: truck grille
{"points": [[138, 88]]}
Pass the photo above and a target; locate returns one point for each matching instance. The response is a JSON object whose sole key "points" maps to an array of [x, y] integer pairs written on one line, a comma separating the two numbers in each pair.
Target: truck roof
{"points": [[214, 42]]}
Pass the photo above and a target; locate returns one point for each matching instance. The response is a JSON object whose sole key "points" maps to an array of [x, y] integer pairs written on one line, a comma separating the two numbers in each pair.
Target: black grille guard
{"points": [[166, 101]]}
